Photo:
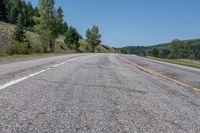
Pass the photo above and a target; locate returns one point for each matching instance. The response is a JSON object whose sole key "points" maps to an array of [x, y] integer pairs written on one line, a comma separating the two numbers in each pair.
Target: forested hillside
{"points": [[189, 49], [25, 29]]}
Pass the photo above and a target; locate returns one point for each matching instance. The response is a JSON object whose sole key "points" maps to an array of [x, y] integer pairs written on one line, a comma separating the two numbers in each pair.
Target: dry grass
{"points": [[15, 57], [6, 31]]}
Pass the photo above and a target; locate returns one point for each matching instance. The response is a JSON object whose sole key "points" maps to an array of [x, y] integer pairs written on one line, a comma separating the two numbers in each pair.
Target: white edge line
{"points": [[10, 83], [57, 65], [34, 74], [19, 80]]}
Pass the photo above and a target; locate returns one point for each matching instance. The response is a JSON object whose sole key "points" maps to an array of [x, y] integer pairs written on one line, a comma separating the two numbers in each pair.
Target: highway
{"points": [[98, 93]]}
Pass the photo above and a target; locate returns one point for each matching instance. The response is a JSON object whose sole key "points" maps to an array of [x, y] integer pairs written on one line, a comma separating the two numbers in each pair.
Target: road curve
{"points": [[92, 93]]}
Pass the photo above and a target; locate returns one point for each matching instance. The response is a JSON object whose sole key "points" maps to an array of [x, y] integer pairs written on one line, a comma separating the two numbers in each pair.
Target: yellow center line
{"points": [[147, 70]]}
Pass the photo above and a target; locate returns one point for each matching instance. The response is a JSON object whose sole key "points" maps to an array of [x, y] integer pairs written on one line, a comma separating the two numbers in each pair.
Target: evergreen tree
{"points": [[19, 34], [3, 10], [93, 37], [49, 24], [72, 38], [60, 16], [36, 12], [29, 15], [15, 10], [16, 7], [65, 28], [178, 49]]}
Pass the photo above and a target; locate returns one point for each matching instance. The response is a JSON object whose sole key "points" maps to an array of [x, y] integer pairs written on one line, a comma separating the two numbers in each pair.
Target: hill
{"points": [[6, 31], [176, 49]]}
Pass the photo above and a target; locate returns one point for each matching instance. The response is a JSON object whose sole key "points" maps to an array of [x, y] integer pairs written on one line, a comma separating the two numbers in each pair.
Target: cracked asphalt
{"points": [[94, 93]]}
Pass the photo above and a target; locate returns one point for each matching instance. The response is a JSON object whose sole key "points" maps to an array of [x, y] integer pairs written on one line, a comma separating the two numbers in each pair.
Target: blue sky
{"points": [[134, 22]]}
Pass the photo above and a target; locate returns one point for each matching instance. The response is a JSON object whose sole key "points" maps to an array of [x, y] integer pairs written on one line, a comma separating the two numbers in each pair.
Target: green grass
{"points": [[186, 62]]}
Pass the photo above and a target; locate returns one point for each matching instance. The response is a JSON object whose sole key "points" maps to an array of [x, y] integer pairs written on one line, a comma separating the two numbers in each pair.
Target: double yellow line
{"points": [[147, 70]]}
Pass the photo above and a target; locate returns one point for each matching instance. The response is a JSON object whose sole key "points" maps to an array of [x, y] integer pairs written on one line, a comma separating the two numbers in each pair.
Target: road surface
{"points": [[187, 75], [96, 93]]}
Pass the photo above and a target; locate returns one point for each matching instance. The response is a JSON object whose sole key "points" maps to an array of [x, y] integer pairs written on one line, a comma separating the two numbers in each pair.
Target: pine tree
{"points": [[93, 37], [3, 10], [19, 34], [60, 15], [72, 38], [65, 28], [49, 24], [36, 12]]}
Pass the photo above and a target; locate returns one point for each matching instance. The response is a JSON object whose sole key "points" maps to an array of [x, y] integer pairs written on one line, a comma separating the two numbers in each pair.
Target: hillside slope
{"points": [[6, 31]]}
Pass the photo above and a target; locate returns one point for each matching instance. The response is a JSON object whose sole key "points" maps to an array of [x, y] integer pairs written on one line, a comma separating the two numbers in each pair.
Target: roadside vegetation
{"points": [[25, 29], [186, 62], [185, 52]]}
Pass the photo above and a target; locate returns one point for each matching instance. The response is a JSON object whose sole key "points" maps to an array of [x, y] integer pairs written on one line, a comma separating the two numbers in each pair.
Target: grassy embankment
{"points": [[186, 62], [6, 31]]}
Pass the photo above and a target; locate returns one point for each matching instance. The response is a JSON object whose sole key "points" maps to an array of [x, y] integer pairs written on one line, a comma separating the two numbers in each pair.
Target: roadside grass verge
{"points": [[26, 56], [186, 62]]}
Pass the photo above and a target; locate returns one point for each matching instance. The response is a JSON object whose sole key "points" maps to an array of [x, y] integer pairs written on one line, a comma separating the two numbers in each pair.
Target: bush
{"points": [[20, 48], [97, 49], [164, 53], [153, 52], [85, 48], [36, 46]]}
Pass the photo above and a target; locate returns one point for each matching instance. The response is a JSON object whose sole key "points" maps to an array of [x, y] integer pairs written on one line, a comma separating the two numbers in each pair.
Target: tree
{"points": [[49, 24], [16, 7], [36, 12], [20, 45], [154, 52], [54, 29], [164, 53], [29, 14], [60, 14], [72, 38], [3, 10], [43, 28], [19, 34], [194, 50], [65, 28], [93, 37], [178, 49]]}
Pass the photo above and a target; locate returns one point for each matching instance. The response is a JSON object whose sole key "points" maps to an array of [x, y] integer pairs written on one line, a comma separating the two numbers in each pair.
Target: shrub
{"points": [[97, 49], [164, 53], [19, 48], [36, 46], [153, 52]]}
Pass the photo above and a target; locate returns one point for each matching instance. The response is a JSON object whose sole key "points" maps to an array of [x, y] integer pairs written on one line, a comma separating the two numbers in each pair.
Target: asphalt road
{"points": [[95, 93], [187, 75]]}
